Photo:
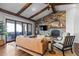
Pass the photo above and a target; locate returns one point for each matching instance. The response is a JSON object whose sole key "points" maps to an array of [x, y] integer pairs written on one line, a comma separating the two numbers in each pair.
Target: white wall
{"points": [[76, 24], [3, 17], [70, 13], [72, 19]]}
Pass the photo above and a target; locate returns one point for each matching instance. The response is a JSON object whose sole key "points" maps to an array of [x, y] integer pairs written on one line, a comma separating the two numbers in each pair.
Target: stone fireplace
{"points": [[55, 22]]}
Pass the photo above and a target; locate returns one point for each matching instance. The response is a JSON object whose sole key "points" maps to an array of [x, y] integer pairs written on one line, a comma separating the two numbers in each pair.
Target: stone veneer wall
{"points": [[53, 21]]}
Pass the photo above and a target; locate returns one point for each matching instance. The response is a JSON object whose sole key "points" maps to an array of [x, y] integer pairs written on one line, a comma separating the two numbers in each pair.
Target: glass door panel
{"points": [[24, 29], [10, 30], [29, 29], [18, 28]]}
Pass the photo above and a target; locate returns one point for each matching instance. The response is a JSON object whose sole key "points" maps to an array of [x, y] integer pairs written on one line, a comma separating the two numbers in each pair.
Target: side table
{"points": [[50, 45], [1, 42]]}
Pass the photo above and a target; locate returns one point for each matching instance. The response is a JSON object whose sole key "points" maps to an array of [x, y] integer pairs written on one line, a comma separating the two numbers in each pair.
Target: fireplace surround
{"points": [[55, 33]]}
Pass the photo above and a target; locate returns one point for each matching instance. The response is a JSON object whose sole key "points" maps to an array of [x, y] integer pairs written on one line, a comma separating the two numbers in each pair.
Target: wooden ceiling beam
{"points": [[53, 7], [24, 8], [11, 13], [39, 12], [61, 3]]}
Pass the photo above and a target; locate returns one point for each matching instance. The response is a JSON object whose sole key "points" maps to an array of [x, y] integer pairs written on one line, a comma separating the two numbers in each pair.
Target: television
{"points": [[43, 27]]}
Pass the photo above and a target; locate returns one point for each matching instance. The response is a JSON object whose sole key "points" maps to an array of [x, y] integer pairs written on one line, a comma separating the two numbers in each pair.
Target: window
{"points": [[16, 28]]}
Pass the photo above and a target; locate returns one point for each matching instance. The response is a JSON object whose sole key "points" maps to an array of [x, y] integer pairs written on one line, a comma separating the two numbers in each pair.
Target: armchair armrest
{"points": [[61, 43]]}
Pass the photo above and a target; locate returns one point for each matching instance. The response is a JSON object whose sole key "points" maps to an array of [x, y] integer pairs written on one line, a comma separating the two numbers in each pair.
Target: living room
{"points": [[35, 28]]}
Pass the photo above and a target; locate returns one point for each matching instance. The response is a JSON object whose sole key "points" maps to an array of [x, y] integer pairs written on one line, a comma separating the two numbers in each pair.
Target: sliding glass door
{"points": [[29, 32], [18, 28], [24, 29], [10, 30]]}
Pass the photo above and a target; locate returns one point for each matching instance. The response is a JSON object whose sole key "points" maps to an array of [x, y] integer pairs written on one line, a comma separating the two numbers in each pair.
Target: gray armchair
{"points": [[66, 45], [61, 38]]}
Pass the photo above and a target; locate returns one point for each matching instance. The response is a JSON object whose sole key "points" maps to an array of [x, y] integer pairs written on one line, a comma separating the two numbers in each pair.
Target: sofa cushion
{"points": [[41, 37]]}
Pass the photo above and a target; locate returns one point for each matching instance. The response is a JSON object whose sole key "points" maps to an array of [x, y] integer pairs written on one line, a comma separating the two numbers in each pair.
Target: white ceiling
{"points": [[34, 8], [31, 10], [13, 7], [46, 12]]}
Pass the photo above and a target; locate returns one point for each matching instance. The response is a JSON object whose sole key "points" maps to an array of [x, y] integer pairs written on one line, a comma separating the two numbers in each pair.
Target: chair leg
{"points": [[63, 52], [71, 50]]}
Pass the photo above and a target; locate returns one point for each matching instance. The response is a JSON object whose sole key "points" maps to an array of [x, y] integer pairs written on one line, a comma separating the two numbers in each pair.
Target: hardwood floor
{"points": [[11, 50]]}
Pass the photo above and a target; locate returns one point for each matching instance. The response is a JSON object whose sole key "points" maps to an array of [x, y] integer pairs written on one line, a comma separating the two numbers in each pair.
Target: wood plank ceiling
{"points": [[29, 11]]}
